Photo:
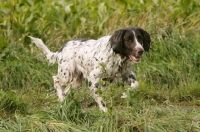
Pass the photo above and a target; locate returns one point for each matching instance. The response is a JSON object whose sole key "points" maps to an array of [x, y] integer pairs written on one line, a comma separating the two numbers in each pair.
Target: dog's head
{"points": [[130, 42]]}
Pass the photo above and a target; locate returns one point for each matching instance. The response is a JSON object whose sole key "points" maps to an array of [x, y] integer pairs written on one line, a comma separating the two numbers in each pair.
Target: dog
{"points": [[107, 58]]}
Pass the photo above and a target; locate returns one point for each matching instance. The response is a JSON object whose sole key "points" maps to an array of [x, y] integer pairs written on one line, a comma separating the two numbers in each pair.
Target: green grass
{"points": [[168, 97]]}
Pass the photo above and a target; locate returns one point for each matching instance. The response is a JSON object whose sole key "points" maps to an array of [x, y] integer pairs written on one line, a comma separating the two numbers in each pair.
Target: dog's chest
{"points": [[119, 68]]}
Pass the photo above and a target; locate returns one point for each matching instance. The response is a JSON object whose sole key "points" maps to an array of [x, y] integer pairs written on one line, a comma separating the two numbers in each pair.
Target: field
{"points": [[168, 97]]}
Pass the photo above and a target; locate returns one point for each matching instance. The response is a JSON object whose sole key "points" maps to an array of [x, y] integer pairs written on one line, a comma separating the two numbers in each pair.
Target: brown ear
{"points": [[146, 39], [116, 41]]}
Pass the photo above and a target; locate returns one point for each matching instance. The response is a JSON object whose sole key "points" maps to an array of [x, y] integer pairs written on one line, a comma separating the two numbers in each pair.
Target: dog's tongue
{"points": [[133, 58]]}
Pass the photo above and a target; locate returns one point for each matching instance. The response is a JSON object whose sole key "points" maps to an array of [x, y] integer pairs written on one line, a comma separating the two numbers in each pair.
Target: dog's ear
{"points": [[146, 39], [116, 41]]}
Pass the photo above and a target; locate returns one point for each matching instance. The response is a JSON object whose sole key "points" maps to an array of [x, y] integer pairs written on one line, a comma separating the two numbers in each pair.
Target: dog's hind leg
{"points": [[67, 89], [58, 88], [76, 83], [78, 80]]}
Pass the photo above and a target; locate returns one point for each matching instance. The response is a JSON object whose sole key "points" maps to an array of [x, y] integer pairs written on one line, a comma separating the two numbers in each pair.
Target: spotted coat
{"points": [[112, 56]]}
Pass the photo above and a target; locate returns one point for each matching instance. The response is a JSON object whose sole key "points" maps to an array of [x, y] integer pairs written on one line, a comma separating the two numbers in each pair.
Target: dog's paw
{"points": [[61, 98], [104, 109], [123, 95], [134, 85]]}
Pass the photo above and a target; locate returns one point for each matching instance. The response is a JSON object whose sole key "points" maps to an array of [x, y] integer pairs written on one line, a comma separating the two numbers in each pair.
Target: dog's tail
{"points": [[51, 57]]}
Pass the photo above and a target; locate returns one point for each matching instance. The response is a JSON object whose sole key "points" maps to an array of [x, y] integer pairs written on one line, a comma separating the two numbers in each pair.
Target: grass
{"points": [[168, 97]]}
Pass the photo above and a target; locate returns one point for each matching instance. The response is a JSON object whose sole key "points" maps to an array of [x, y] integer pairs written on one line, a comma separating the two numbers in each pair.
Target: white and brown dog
{"points": [[83, 58]]}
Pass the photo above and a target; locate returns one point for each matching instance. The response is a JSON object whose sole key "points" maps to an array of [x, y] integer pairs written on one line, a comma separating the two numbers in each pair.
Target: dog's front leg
{"points": [[97, 98], [131, 80]]}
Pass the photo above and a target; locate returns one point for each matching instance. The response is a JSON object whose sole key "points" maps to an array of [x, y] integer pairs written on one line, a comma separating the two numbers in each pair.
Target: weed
{"points": [[166, 100]]}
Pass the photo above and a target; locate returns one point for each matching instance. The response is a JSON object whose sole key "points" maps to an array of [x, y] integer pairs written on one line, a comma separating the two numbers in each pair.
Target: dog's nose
{"points": [[139, 52]]}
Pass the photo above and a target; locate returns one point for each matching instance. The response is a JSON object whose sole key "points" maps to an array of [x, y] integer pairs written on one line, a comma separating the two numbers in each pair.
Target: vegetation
{"points": [[167, 99]]}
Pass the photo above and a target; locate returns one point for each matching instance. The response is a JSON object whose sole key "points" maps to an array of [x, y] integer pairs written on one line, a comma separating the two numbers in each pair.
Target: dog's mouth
{"points": [[134, 59]]}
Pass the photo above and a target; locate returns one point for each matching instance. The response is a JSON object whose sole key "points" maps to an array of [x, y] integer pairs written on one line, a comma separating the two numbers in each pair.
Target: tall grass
{"points": [[169, 92]]}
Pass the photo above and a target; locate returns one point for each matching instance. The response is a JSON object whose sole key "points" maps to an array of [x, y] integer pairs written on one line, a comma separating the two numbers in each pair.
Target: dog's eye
{"points": [[130, 40]]}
